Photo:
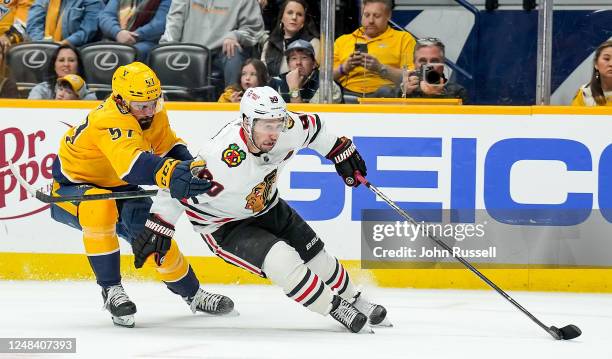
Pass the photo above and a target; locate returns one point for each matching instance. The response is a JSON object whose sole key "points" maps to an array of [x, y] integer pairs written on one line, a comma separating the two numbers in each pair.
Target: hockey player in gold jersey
{"points": [[125, 142]]}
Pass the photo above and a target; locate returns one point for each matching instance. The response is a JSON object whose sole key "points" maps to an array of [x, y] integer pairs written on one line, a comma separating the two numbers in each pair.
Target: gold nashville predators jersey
{"points": [[8, 9], [109, 149]]}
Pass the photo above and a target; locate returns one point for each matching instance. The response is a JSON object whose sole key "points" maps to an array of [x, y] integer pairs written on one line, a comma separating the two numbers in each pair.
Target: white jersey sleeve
{"points": [[166, 207], [317, 137]]}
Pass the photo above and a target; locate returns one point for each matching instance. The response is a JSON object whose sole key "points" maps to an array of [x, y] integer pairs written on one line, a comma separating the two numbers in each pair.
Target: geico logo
{"points": [[472, 177]]}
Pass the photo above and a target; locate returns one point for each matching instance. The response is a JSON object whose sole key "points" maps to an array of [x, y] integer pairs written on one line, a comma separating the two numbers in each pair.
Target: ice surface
{"points": [[427, 324]]}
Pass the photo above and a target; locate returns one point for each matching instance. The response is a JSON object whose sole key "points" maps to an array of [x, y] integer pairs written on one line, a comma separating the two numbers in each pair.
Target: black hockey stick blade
{"points": [[568, 332], [95, 197], [45, 198]]}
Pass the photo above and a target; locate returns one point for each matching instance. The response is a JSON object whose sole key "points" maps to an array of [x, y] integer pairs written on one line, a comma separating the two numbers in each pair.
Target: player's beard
{"points": [[145, 123]]}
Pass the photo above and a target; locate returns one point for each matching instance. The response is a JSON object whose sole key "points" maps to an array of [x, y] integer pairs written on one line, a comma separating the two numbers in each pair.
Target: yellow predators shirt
{"points": [[584, 97], [8, 9], [392, 48], [109, 149]]}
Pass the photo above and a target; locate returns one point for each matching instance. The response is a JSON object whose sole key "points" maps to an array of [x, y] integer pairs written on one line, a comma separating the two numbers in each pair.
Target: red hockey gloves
{"points": [[155, 239], [347, 160], [183, 178]]}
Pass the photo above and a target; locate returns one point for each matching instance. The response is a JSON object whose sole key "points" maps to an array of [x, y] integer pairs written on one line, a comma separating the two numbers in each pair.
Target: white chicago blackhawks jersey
{"points": [[244, 184]]}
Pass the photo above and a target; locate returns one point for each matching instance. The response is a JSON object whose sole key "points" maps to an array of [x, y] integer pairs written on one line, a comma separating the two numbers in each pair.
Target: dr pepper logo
{"points": [[31, 152]]}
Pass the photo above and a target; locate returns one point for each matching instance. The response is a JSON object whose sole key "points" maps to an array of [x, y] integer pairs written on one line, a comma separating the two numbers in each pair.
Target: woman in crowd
{"points": [[65, 61], [295, 23], [252, 74], [598, 92]]}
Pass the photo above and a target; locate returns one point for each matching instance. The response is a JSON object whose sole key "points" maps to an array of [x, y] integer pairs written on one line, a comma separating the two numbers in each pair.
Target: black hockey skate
{"points": [[117, 302], [209, 303], [377, 314], [347, 314]]}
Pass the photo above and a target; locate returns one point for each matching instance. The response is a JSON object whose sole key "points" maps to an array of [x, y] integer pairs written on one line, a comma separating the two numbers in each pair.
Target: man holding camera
{"points": [[369, 61], [428, 80]]}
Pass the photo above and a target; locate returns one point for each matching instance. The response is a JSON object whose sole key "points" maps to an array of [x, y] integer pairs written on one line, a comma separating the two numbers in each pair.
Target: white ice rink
{"points": [[428, 324]]}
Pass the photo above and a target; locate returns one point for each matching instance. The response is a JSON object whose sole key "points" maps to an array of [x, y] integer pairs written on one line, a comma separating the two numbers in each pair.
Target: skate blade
{"points": [[367, 329], [126, 321], [384, 324], [233, 313]]}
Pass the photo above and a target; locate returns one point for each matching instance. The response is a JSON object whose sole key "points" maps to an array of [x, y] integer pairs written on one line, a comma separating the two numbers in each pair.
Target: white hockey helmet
{"points": [[262, 102]]}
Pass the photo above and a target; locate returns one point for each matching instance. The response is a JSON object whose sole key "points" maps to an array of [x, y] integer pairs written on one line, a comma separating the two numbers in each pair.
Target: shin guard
{"points": [[333, 274], [98, 220], [176, 272], [285, 268]]}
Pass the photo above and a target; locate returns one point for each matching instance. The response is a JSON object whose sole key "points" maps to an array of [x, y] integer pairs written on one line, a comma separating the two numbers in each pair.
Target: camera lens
{"points": [[432, 77]]}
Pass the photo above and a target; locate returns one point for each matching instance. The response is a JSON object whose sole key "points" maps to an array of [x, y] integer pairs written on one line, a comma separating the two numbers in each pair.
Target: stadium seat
{"points": [[28, 63], [184, 71], [100, 60]]}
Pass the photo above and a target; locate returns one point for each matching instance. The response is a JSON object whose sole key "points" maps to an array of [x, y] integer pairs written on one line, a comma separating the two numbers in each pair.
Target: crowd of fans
{"points": [[374, 60]]}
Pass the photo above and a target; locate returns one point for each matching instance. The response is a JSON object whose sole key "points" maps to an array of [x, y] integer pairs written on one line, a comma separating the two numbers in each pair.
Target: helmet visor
{"points": [[146, 108], [270, 126]]}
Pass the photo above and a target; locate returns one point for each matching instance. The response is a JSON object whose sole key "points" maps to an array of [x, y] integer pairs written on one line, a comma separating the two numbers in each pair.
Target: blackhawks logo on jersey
{"points": [[259, 196], [233, 155], [290, 122]]}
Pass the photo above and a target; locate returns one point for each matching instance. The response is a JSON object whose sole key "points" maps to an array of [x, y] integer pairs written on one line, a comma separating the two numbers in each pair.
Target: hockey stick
{"points": [[567, 332], [45, 198]]}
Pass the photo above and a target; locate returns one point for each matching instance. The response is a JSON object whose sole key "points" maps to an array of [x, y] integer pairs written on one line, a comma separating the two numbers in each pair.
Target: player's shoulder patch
{"points": [[290, 122], [233, 155]]}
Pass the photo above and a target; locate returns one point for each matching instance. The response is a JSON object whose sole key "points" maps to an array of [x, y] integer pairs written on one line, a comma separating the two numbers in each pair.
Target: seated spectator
{"points": [[140, 23], [428, 80], [9, 34], [301, 83], [252, 74], [295, 23], [65, 61], [70, 87], [8, 87], [229, 28], [598, 92], [369, 61], [72, 22]]}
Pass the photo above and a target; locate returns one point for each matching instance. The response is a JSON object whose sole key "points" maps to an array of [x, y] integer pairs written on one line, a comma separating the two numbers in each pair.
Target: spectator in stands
{"points": [[8, 87], [140, 23], [70, 87], [301, 82], [9, 34], [65, 61], [369, 61], [72, 22], [428, 80], [229, 28], [23, 7], [252, 74], [598, 92], [295, 23]]}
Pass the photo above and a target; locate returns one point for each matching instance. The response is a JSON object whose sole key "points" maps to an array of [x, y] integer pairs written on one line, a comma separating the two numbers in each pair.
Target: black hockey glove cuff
{"points": [[155, 239], [347, 160]]}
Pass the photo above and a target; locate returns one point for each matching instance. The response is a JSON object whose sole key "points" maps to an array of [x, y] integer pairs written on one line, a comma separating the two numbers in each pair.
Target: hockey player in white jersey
{"points": [[243, 220]]}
